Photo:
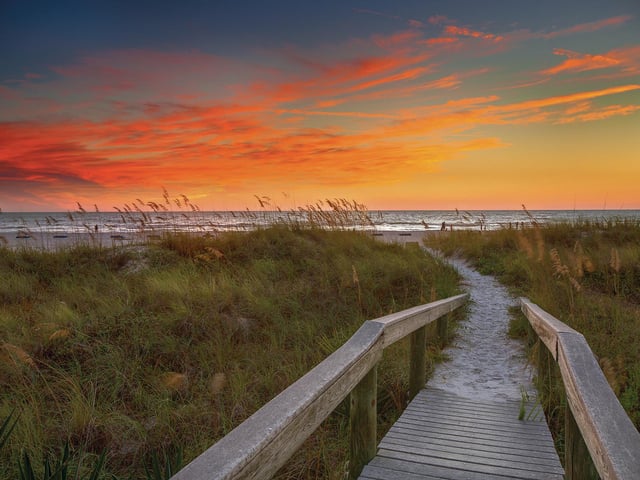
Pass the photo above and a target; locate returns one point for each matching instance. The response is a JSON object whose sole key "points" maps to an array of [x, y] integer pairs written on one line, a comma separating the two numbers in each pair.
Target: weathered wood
{"points": [[527, 451], [265, 441], [456, 443], [546, 326], [362, 423], [543, 364], [577, 461], [418, 368], [443, 330], [399, 325], [612, 440], [609, 435]]}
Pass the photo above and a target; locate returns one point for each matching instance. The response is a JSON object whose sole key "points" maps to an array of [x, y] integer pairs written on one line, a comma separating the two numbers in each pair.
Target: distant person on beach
{"points": [[443, 227], [96, 228]]}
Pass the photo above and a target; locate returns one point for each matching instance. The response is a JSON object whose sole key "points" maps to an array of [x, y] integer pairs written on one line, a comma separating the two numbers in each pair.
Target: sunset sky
{"points": [[397, 104]]}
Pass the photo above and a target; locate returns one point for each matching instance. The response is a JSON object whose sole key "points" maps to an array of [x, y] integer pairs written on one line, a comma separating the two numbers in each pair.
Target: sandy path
{"points": [[484, 362]]}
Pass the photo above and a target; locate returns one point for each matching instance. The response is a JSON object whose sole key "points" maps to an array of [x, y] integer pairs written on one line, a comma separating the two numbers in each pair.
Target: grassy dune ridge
{"points": [[587, 274], [169, 346]]}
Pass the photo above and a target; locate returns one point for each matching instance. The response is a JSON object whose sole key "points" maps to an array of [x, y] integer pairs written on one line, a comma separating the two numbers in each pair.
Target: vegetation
{"points": [[587, 274], [151, 353]]}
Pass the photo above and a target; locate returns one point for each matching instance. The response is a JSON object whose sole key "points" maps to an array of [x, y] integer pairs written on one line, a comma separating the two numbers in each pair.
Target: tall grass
{"points": [[138, 351], [585, 273]]}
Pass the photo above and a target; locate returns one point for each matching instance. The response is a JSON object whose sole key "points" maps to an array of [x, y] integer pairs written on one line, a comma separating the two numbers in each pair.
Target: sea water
{"points": [[197, 221]]}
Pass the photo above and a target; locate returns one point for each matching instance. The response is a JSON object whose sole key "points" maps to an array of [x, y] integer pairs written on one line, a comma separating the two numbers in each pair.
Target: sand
{"points": [[50, 241], [483, 361]]}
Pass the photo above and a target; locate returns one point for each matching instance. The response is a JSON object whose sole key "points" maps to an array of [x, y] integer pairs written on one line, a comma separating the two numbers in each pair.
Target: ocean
{"points": [[61, 223]]}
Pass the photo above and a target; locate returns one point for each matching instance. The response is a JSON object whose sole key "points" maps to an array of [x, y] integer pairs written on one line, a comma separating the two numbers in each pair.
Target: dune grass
{"points": [[164, 348], [587, 274]]}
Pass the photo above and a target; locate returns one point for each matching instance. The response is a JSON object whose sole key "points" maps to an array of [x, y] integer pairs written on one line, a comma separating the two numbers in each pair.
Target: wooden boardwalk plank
{"points": [[470, 443], [445, 436], [499, 453]]}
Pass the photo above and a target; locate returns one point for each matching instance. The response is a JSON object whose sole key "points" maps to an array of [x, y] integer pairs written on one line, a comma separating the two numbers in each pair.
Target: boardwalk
{"points": [[465, 425], [445, 436]]}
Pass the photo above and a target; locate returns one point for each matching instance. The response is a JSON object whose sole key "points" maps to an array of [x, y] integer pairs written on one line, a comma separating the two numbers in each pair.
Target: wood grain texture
{"points": [[577, 464], [439, 435], [399, 325], [546, 326], [418, 366], [362, 423], [610, 436]]}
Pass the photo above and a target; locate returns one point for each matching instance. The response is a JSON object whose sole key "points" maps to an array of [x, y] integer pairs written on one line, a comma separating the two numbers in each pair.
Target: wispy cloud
{"points": [[588, 26], [379, 110], [578, 62], [624, 61], [598, 113], [467, 32]]}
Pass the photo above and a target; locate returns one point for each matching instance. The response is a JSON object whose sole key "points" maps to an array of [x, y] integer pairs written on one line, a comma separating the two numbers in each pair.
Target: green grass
{"points": [[587, 274], [165, 348]]}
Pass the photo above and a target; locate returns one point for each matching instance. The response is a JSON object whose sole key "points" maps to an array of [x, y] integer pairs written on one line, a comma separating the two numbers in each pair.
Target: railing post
{"points": [[362, 422], [577, 460], [417, 368], [443, 329], [543, 363]]}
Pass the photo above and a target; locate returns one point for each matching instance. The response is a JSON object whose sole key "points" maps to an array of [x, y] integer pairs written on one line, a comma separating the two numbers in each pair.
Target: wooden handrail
{"points": [[611, 438], [263, 443]]}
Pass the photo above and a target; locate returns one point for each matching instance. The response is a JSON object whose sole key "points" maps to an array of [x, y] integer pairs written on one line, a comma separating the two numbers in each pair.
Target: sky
{"points": [[415, 104]]}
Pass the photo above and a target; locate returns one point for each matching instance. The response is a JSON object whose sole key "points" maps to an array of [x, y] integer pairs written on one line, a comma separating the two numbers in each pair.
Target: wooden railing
{"points": [[598, 433], [262, 444]]}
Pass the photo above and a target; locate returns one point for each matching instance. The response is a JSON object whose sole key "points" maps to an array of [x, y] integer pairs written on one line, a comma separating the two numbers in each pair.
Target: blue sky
{"points": [[410, 104]]}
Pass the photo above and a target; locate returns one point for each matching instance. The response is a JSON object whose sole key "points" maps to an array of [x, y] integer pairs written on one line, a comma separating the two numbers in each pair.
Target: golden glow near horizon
{"points": [[427, 111]]}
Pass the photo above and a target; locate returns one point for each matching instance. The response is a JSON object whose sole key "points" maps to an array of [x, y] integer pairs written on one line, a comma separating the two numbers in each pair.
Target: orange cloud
{"points": [[439, 41], [525, 84], [579, 107], [466, 32], [341, 77], [577, 62], [448, 82], [336, 114], [406, 75], [137, 120], [628, 58], [469, 113], [562, 99], [599, 114]]}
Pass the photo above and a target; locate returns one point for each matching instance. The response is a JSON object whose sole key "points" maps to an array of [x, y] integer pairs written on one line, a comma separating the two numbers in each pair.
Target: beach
{"points": [[57, 241]]}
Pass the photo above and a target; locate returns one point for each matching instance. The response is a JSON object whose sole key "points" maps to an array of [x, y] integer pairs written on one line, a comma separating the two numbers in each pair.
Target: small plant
{"points": [[7, 427], [524, 399], [536, 409], [588, 276], [58, 470], [170, 467], [183, 338]]}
